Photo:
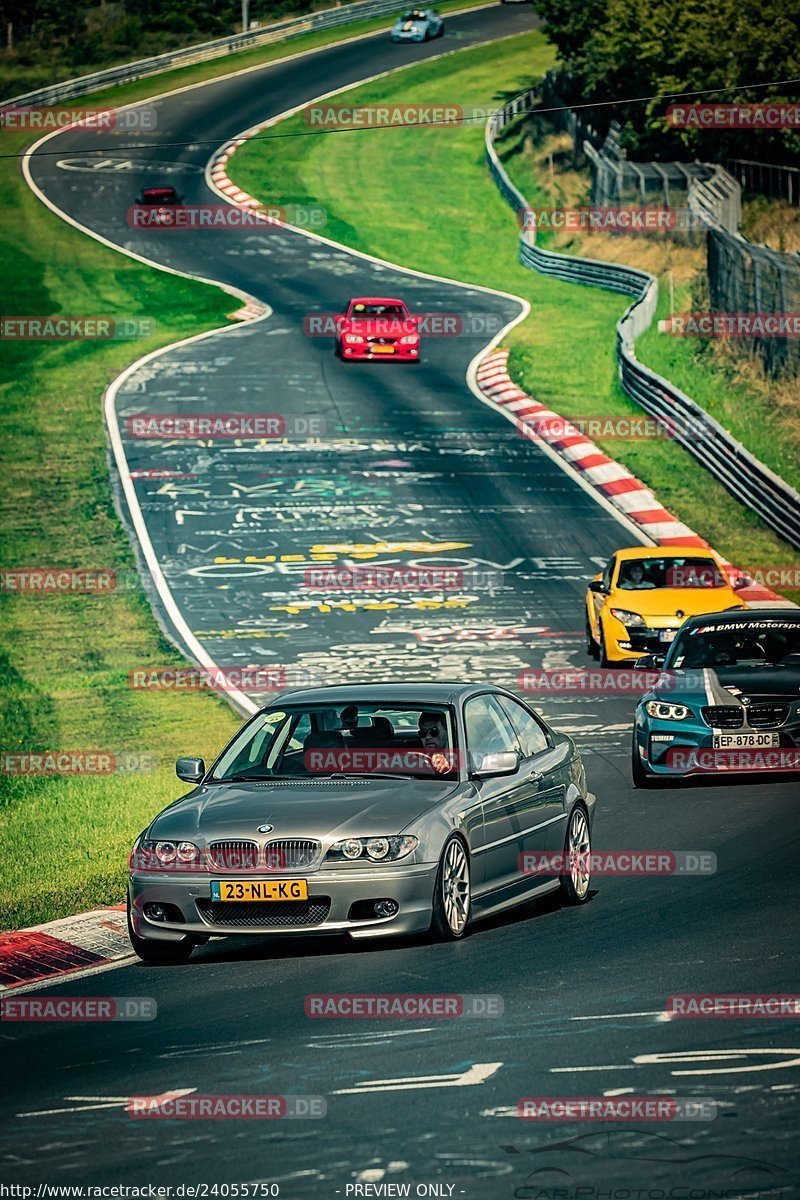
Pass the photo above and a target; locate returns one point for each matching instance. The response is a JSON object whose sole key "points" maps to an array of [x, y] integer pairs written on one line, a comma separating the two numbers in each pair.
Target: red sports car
{"points": [[377, 327]]}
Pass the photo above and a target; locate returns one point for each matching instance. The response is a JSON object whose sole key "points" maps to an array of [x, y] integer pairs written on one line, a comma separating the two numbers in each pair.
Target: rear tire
{"points": [[451, 893], [159, 952]]}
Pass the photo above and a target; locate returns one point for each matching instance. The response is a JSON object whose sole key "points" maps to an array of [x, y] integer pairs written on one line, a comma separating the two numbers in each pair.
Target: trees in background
{"points": [[615, 49], [42, 41]]}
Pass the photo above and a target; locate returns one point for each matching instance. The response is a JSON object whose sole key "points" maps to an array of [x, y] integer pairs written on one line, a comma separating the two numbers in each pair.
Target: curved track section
{"points": [[412, 470]]}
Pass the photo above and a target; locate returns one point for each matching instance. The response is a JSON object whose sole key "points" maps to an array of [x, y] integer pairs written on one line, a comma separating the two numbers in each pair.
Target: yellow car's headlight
{"points": [[631, 619]]}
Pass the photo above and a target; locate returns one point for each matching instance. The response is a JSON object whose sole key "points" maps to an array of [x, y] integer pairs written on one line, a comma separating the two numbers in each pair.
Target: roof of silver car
{"points": [[401, 693]]}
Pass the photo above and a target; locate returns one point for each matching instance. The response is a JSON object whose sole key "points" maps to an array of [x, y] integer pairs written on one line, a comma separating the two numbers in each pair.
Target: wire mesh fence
{"points": [[748, 279], [766, 179]]}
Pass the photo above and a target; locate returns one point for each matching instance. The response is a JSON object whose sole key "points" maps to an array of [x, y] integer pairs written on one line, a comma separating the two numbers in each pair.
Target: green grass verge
{"points": [[383, 192], [64, 670]]}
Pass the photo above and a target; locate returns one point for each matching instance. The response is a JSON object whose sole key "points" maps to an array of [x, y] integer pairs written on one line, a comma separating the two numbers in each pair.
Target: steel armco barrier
{"points": [[749, 480], [329, 18]]}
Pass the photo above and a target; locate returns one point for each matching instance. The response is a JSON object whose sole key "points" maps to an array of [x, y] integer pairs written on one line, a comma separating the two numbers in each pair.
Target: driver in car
{"points": [[433, 737], [633, 576]]}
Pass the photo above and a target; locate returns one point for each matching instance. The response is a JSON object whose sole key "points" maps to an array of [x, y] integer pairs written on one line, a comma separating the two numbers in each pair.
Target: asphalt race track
{"points": [[409, 458]]}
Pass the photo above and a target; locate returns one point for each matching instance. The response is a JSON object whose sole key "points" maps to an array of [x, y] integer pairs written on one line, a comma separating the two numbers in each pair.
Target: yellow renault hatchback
{"points": [[639, 602]]}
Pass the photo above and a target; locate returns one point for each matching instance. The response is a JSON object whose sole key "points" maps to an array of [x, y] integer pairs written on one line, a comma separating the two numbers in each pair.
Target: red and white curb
{"points": [[219, 175], [610, 479], [58, 949]]}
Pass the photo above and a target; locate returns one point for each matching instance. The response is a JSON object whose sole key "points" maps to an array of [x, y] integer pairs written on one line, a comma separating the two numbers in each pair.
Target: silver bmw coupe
{"points": [[373, 809]]}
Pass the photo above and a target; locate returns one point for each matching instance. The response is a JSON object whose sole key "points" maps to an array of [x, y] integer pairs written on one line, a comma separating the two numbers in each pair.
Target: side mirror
{"points": [[190, 770], [598, 586], [501, 763], [650, 662], [744, 581]]}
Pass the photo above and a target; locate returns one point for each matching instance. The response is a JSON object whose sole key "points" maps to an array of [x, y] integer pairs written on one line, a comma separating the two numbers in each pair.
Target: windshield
{"points": [[378, 310], [351, 738], [414, 15], [162, 195], [638, 574], [755, 644]]}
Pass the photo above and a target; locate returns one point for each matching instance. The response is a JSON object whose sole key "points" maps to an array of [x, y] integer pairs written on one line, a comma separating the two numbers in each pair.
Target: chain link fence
{"points": [[766, 179], [743, 278]]}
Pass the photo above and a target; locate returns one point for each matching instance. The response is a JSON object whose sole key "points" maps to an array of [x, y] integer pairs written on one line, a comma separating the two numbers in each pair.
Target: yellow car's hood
{"points": [[668, 602]]}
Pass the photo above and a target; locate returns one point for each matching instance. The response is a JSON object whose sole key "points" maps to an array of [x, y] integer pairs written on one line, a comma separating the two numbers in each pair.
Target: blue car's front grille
{"points": [[767, 716], [759, 716]]}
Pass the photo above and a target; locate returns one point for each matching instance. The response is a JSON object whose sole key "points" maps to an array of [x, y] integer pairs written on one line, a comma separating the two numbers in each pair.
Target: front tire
{"points": [[452, 894], [159, 952], [577, 847], [605, 661]]}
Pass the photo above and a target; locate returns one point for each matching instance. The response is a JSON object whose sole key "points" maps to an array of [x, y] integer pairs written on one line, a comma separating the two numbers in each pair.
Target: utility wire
{"points": [[269, 137]]}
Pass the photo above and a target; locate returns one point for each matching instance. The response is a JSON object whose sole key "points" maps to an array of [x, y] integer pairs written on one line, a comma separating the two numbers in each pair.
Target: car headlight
{"points": [[410, 340], [631, 619], [375, 849], [667, 712], [353, 339], [151, 855]]}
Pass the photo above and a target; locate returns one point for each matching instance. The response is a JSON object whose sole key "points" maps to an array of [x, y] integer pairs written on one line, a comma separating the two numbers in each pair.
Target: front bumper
{"points": [[675, 749], [623, 643], [331, 895], [366, 353]]}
